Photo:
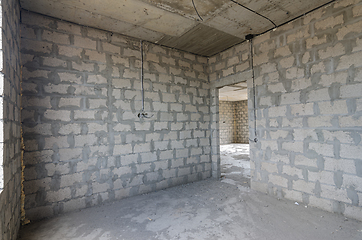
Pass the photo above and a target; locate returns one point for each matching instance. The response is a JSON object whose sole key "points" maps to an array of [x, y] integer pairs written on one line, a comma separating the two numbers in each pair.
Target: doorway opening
{"points": [[234, 134]]}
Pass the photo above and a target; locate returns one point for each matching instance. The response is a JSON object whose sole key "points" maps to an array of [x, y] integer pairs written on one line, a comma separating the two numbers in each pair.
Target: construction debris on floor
{"points": [[209, 209], [235, 164]]}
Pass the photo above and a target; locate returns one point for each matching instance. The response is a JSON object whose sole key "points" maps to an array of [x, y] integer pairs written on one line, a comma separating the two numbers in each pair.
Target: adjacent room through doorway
{"points": [[234, 134]]}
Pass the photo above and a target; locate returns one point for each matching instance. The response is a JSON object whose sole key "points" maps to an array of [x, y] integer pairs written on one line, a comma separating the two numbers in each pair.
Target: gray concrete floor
{"points": [[211, 209]]}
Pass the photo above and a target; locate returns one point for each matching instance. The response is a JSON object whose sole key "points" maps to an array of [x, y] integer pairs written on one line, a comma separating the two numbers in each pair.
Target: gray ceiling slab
{"points": [[176, 24], [202, 40]]}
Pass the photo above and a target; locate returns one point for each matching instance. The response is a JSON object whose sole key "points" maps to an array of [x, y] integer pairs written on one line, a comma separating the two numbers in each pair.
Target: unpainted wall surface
{"points": [[226, 125], [309, 108], [84, 144], [10, 166], [234, 127], [241, 122]]}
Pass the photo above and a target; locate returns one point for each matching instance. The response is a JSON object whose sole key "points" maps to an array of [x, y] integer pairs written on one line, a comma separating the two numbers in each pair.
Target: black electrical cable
{"points": [[142, 114], [193, 3], [251, 10]]}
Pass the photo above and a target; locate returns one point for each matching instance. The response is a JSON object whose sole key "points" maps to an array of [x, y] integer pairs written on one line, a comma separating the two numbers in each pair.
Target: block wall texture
{"points": [[84, 144], [226, 116], [234, 127], [241, 133], [10, 136], [308, 77]]}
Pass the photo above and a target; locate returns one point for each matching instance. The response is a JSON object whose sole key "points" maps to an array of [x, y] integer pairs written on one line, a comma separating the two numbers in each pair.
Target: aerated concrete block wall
{"points": [[308, 77], [234, 126], [84, 144], [226, 116], [241, 122], [10, 140]]}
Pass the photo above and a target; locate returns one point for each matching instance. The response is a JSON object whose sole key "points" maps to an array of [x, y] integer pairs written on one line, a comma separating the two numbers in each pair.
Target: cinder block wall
{"points": [[309, 108], [241, 133], [234, 126], [226, 116], [10, 165], [84, 144]]}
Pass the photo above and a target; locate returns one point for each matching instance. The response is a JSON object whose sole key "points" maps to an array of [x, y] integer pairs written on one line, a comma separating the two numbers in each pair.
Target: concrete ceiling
{"points": [[236, 92], [175, 23]]}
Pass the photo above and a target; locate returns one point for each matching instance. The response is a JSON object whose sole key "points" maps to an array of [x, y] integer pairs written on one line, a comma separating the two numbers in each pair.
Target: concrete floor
{"points": [[211, 209]]}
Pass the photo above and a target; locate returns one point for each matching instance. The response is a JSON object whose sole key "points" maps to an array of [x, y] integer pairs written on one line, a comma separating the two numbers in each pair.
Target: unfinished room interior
{"points": [[112, 124]]}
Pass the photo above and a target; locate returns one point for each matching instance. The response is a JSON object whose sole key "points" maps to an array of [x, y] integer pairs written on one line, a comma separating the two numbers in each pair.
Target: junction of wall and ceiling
{"points": [[202, 27]]}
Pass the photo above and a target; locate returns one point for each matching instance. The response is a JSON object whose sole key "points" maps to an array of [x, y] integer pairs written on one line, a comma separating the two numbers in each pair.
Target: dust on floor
{"points": [[209, 209], [235, 164]]}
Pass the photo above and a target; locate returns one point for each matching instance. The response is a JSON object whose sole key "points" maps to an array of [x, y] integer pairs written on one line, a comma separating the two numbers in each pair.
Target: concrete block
{"points": [[334, 51], [74, 204], [333, 193], [320, 121], [315, 41], [69, 102], [293, 195], [345, 165], [108, 47], [293, 146], [301, 160], [83, 67], [346, 61], [61, 115], [183, 171], [302, 109], [350, 151], [350, 121], [290, 98], [278, 180], [166, 155], [301, 134], [56, 37], [269, 167], [80, 114], [277, 111], [274, 88], [322, 149], [323, 177], [351, 91], [300, 84], [292, 123], [318, 95], [84, 42], [242, 67], [70, 78], [337, 107], [303, 186], [71, 179], [347, 30], [36, 46], [287, 62], [60, 195], [282, 52], [96, 79], [122, 149], [353, 212], [294, 72], [278, 134], [324, 204], [268, 68], [273, 145], [329, 22], [182, 153], [142, 126]]}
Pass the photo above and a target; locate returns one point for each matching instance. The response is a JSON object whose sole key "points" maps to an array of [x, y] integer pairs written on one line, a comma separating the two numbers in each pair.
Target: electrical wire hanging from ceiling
{"points": [[193, 3], [251, 10], [250, 38], [142, 114]]}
